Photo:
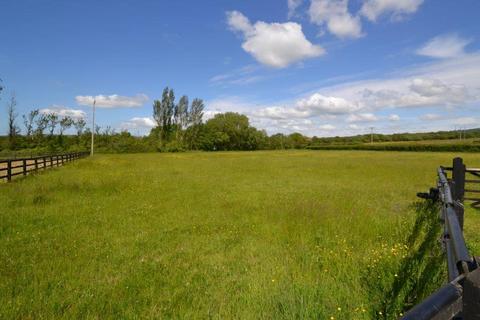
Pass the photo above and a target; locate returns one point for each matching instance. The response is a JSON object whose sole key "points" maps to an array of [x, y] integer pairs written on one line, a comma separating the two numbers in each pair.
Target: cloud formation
{"points": [[139, 122], [373, 9], [335, 16], [273, 44], [292, 7], [113, 101], [444, 46], [63, 111], [362, 117], [443, 90]]}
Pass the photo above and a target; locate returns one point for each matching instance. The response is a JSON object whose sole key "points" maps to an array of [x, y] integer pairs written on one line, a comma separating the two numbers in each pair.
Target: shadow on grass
{"points": [[420, 273]]}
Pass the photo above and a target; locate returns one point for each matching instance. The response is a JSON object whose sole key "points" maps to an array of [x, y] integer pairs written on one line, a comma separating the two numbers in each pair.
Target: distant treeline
{"points": [[460, 147], [395, 137], [180, 126]]}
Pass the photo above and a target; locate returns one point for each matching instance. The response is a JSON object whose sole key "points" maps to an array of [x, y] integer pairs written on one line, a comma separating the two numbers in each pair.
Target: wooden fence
{"points": [[460, 297], [10, 168]]}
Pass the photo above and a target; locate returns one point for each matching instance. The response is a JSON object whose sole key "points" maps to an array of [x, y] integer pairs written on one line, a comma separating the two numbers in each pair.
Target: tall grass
{"points": [[252, 235]]}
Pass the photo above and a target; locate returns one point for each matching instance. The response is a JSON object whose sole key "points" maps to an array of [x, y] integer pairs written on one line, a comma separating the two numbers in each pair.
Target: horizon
{"points": [[318, 67]]}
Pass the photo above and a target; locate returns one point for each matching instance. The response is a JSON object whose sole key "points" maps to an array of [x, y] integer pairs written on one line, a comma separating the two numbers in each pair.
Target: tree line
{"points": [[179, 126]]}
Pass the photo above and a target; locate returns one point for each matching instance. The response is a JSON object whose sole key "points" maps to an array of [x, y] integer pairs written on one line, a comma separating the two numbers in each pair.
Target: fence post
{"points": [[24, 167], [9, 170], [458, 181], [36, 164], [471, 295]]}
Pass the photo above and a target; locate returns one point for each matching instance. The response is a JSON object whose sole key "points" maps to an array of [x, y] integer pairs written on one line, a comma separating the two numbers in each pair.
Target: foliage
{"points": [[180, 127], [13, 129], [231, 131]]}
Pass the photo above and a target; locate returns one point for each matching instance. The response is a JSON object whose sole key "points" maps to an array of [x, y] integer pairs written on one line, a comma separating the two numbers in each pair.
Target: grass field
{"points": [[252, 235]]}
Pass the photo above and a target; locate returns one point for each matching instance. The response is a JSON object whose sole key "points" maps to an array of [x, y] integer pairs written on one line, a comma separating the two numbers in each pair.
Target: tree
{"points": [[196, 111], [65, 123], [52, 119], [297, 140], [181, 114], [194, 120], [232, 131], [158, 112], [29, 121], [13, 129], [42, 123], [79, 126], [170, 110]]}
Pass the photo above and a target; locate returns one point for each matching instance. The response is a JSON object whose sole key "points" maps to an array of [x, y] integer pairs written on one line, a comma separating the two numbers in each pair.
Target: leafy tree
{"points": [[13, 129], [279, 141], [79, 126], [181, 115], [52, 122], [297, 140], [196, 111], [194, 120], [170, 109], [42, 123], [232, 131], [65, 123], [158, 113], [29, 120]]}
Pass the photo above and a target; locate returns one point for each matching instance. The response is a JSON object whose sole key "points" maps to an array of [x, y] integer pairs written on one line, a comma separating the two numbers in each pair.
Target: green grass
{"points": [[252, 235]]}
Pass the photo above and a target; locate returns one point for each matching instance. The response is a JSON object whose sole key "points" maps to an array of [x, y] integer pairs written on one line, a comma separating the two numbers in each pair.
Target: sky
{"points": [[318, 67]]}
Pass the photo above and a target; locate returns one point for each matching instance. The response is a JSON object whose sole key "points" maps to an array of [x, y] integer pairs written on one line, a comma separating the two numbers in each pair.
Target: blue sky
{"points": [[319, 67]]}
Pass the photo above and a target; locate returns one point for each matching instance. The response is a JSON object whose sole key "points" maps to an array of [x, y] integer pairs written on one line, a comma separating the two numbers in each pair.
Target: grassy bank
{"points": [[273, 235]]}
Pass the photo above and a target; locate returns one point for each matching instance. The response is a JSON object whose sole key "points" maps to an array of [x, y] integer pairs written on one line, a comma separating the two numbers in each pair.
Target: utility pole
{"points": [[371, 134], [93, 128]]}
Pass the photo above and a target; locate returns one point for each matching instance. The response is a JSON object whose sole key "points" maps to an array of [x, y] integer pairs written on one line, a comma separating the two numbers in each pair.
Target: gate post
{"points": [[471, 296], [9, 170]]}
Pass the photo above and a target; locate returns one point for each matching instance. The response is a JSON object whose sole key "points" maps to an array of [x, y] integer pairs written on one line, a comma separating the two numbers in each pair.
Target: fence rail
{"points": [[460, 298], [10, 168]]}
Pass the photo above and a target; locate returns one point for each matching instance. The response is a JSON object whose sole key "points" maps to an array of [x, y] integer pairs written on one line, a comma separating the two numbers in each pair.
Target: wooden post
{"points": [[24, 166], [471, 295], [458, 184], [36, 164], [9, 170]]}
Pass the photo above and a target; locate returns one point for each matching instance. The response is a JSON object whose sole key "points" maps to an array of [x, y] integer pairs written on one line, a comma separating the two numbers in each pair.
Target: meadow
{"points": [[247, 235]]}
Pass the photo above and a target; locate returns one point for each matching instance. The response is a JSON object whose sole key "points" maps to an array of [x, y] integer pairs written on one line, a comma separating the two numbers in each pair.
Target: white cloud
{"points": [[394, 117], [238, 22], [139, 123], [430, 117], [442, 88], [362, 117], [113, 101], [465, 121], [327, 127], [354, 127], [240, 76], [444, 46], [273, 44], [292, 7], [62, 111], [335, 15], [372, 9], [320, 104], [416, 92]]}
